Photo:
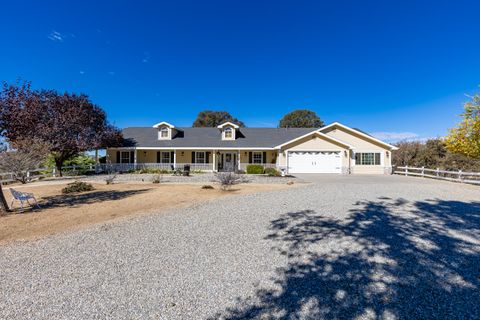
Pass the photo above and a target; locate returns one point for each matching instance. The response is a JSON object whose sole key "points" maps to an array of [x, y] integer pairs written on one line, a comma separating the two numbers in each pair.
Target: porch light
{"points": [[345, 152], [145, 153], [388, 154], [218, 153], [183, 153]]}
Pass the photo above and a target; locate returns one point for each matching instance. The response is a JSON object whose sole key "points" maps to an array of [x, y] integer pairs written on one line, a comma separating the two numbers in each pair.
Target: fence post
{"points": [[54, 172], [438, 172], [460, 175], [423, 172], [406, 171], [28, 175]]}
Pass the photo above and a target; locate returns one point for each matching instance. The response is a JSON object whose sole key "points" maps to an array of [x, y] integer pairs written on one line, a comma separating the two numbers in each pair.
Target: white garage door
{"points": [[314, 162]]}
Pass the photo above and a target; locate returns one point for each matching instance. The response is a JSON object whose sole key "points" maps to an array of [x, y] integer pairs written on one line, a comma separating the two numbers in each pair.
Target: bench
{"points": [[23, 196]]}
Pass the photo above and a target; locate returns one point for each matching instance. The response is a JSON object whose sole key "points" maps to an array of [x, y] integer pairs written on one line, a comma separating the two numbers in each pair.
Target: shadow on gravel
{"points": [[389, 259], [69, 200]]}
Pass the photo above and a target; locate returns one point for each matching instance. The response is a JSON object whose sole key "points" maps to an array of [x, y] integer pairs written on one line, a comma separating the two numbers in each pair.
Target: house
{"points": [[334, 148]]}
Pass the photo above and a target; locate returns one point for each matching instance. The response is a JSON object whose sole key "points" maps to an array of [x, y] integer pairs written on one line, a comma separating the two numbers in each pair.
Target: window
{"points": [[125, 157], [165, 157], [164, 132], [228, 133], [200, 157], [257, 157], [367, 158]]}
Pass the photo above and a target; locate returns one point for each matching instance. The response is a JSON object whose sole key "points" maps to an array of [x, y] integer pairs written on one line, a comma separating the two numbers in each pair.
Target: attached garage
{"points": [[314, 162]]}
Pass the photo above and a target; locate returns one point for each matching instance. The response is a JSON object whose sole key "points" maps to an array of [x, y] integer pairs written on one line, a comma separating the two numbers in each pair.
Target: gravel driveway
{"points": [[342, 247]]}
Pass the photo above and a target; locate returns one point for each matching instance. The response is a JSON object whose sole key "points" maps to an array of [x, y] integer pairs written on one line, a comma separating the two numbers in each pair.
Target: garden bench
{"points": [[23, 196]]}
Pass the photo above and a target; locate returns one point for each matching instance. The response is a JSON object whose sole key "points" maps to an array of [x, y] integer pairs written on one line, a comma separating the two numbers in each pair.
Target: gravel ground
{"points": [[343, 247], [196, 178]]}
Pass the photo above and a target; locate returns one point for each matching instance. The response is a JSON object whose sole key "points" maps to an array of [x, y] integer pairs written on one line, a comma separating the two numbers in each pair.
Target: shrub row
{"points": [[258, 169]]}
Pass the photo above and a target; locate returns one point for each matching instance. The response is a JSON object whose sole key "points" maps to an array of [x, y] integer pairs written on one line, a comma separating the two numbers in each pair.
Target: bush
{"points": [[207, 186], [254, 169], [110, 178], [77, 186], [227, 180], [152, 171], [157, 178], [272, 172]]}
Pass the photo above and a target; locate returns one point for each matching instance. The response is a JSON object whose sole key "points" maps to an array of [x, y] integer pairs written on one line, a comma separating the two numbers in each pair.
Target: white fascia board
{"points": [[392, 147], [228, 123], [163, 123], [191, 148], [316, 132]]}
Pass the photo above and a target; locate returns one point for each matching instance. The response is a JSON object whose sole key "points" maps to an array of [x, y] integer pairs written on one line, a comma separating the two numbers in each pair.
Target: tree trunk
{"points": [[3, 202], [59, 164]]}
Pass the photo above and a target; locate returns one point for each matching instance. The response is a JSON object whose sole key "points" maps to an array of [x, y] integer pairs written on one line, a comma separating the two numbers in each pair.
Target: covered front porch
{"points": [[208, 160]]}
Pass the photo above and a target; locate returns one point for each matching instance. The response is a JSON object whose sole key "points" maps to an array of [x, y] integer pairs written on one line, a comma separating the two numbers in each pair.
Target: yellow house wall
{"points": [[362, 144]]}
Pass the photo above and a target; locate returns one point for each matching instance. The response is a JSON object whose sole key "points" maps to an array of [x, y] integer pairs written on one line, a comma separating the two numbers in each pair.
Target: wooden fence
{"points": [[456, 176]]}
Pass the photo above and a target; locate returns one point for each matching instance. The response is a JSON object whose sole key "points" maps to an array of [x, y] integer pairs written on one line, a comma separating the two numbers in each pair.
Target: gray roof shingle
{"points": [[211, 137]]}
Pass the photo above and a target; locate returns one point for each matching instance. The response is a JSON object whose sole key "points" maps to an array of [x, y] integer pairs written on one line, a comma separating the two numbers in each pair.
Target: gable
{"points": [[315, 141], [359, 142]]}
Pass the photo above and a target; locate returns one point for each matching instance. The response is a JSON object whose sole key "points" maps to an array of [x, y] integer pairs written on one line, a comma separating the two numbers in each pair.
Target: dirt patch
{"points": [[61, 213]]}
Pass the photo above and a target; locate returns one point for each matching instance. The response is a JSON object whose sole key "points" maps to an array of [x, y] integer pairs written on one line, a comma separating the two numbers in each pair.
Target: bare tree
{"points": [[27, 155], [227, 180], [3, 202]]}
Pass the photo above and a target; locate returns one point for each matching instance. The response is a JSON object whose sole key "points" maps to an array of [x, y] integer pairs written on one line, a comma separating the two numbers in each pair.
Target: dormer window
{"points": [[228, 130], [228, 133], [164, 133]]}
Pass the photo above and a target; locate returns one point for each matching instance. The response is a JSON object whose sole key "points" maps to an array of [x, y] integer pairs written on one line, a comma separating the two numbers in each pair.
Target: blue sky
{"points": [[401, 68]]}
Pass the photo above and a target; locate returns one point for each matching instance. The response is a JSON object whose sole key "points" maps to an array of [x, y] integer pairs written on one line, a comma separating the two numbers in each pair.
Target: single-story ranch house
{"points": [[334, 148]]}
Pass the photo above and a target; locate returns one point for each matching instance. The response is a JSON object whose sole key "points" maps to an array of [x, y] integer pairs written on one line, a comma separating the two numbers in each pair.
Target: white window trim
{"points": [[164, 129], [169, 156], [230, 131], [204, 156], [369, 151], [224, 131], [261, 157], [121, 156]]}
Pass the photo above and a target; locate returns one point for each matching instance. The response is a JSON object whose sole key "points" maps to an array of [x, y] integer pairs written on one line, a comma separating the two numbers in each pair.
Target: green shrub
{"points": [[77, 186], [254, 169], [151, 171], [207, 186], [272, 172]]}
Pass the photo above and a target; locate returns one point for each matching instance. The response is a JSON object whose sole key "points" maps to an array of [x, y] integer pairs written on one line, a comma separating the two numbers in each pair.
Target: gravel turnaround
{"points": [[343, 247]]}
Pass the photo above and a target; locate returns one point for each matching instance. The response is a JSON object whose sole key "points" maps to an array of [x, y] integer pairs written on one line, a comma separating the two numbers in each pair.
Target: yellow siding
{"points": [[362, 144]]}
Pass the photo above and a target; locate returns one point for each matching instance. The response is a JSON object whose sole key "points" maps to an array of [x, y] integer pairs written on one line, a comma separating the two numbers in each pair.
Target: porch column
{"points": [[174, 159], [135, 158], [239, 161], [214, 160]]}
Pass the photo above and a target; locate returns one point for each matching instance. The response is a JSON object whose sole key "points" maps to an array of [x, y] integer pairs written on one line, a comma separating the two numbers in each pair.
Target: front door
{"points": [[229, 159]]}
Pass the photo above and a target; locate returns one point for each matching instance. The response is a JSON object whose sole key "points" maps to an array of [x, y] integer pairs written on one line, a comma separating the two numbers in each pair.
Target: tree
{"points": [[28, 155], [211, 119], [301, 119], [3, 202], [407, 154], [465, 139], [69, 123], [432, 154]]}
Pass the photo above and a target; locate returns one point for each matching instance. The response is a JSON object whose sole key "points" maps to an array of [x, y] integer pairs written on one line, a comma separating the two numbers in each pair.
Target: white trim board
{"points": [[317, 132], [392, 147]]}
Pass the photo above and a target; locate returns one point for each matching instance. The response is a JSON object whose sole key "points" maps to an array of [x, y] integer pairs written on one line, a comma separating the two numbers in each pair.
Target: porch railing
{"points": [[124, 167]]}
